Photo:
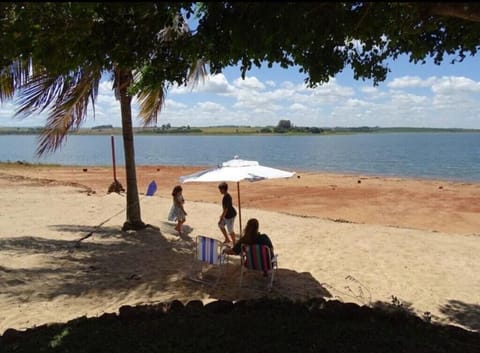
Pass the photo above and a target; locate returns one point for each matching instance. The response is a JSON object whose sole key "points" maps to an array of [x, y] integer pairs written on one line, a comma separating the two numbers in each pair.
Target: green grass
{"points": [[231, 130]]}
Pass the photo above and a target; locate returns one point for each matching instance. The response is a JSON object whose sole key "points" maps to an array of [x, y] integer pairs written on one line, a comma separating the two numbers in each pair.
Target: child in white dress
{"points": [[177, 212]]}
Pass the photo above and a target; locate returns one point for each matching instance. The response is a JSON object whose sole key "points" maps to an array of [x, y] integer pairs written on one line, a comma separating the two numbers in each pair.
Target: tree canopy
{"points": [[54, 54], [322, 38]]}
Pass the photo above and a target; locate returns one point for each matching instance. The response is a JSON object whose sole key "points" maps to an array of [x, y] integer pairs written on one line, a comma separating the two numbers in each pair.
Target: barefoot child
{"points": [[177, 212]]}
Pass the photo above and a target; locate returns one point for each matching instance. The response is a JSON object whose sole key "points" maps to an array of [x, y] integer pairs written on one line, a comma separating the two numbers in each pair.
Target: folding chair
{"points": [[257, 257], [208, 252]]}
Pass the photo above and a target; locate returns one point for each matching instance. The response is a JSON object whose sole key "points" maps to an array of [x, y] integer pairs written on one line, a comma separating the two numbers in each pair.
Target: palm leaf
{"points": [[151, 101], [65, 96], [197, 72], [12, 77], [152, 97]]}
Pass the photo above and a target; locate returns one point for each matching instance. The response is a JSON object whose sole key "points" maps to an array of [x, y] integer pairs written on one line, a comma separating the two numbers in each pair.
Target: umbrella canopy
{"points": [[236, 170]]}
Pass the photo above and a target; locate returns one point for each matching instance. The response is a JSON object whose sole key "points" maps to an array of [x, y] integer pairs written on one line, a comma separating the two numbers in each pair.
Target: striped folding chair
{"points": [[259, 258], [208, 254]]}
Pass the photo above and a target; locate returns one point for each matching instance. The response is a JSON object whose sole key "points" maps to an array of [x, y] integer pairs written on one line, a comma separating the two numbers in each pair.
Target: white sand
{"points": [[47, 275]]}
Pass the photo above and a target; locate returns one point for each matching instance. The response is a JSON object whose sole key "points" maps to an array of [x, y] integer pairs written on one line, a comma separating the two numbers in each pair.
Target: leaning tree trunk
{"points": [[134, 220]]}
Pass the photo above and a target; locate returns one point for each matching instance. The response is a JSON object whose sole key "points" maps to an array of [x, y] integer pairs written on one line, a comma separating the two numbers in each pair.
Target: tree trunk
{"points": [[134, 220]]}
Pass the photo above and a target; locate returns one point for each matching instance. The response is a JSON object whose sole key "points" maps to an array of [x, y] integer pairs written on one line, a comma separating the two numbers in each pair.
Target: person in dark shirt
{"points": [[227, 218], [251, 235]]}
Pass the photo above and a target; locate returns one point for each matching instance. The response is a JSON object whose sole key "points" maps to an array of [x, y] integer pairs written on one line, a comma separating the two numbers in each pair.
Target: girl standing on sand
{"points": [[177, 212]]}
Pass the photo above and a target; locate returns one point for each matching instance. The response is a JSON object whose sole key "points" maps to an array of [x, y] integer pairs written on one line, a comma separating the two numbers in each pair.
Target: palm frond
{"points": [[38, 93], [67, 98], [197, 72], [12, 77], [179, 27], [151, 101], [152, 97]]}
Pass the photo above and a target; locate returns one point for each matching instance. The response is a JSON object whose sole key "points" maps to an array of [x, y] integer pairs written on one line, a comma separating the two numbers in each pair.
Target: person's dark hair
{"points": [[250, 232], [176, 190], [223, 186]]}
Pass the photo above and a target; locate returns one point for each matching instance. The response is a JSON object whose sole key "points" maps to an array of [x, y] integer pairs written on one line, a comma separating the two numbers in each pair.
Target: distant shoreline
{"points": [[428, 204], [238, 130], [12, 165]]}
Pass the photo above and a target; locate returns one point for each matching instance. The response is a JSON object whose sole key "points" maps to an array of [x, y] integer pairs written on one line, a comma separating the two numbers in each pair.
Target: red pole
{"points": [[239, 209], [113, 159]]}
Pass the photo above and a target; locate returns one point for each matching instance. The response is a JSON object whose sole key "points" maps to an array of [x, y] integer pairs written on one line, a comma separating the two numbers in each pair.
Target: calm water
{"points": [[454, 156]]}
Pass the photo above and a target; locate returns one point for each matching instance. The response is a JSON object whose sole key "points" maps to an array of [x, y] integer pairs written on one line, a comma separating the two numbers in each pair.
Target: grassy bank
{"points": [[233, 130]]}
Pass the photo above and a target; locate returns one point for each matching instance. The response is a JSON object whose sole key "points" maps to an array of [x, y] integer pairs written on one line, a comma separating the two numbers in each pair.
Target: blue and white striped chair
{"points": [[208, 254]]}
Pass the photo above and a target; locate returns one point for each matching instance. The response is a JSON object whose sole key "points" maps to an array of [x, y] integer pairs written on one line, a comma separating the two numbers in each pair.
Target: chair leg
{"points": [[272, 275], [223, 262]]}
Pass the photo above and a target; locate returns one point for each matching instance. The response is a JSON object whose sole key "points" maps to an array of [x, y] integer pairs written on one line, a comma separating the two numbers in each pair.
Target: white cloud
{"points": [[270, 83], [434, 101], [172, 104], [410, 82], [211, 84], [249, 83], [455, 85]]}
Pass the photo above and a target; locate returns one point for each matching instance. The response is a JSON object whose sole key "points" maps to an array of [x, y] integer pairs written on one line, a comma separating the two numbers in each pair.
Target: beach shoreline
{"points": [[63, 254], [424, 204]]}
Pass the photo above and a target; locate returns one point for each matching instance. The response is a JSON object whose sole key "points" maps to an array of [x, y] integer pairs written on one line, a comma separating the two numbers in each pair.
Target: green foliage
{"points": [[54, 54], [176, 130], [70, 41], [322, 38], [57, 340]]}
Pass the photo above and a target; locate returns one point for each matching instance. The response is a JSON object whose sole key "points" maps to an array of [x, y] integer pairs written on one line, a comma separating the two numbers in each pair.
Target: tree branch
{"points": [[468, 11]]}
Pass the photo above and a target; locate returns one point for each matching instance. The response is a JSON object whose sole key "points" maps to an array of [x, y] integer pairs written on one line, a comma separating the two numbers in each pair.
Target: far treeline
{"points": [[280, 129]]}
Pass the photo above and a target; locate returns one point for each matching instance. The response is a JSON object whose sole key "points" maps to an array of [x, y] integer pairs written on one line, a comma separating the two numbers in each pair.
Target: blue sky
{"points": [[415, 95]]}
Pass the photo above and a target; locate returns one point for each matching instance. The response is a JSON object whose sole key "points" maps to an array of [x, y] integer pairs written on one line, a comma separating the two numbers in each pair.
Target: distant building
{"points": [[99, 127]]}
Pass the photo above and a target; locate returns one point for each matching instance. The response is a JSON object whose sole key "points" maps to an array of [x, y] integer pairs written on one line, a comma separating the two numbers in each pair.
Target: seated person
{"points": [[250, 236]]}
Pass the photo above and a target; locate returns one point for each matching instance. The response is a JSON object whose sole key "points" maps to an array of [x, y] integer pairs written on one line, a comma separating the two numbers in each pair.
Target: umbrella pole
{"points": [[239, 210]]}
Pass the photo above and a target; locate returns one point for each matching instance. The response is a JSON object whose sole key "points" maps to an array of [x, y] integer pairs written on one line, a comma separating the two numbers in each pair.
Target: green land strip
{"points": [[236, 130]]}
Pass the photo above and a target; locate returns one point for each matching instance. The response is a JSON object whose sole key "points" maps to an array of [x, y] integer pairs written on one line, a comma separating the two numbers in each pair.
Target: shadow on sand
{"points": [[112, 263], [467, 315]]}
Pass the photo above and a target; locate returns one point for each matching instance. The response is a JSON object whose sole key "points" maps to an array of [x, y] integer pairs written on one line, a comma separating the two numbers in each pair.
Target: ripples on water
{"points": [[453, 156]]}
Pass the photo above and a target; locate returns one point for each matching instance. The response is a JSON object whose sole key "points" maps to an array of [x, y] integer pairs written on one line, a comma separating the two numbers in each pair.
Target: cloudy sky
{"points": [[414, 95]]}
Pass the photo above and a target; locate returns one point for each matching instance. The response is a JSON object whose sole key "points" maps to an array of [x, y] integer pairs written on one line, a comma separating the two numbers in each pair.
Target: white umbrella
{"points": [[236, 170]]}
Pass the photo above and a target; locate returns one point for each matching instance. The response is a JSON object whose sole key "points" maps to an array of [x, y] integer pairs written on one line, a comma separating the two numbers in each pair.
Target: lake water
{"points": [[453, 156]]}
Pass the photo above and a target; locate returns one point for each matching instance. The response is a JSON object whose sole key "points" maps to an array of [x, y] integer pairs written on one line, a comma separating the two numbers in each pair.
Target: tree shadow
{"points": [[113, 263], [186, 230], [287, 284], [110, 263], [467, 315], [111, 268]]}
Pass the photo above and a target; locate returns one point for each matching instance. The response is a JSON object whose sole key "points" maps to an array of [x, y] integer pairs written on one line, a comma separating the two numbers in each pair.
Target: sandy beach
{"points": [[353, 238]]}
